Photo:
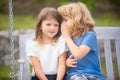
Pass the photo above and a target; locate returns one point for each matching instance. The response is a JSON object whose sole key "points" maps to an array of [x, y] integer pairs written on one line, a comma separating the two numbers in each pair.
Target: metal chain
{"points": [[12, 74]]}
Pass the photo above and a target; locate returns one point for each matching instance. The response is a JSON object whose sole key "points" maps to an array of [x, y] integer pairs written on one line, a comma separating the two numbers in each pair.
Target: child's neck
{"points": [[47, 40]]}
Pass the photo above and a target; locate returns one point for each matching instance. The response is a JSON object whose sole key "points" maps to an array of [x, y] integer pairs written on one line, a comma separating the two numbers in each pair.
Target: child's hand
{"points": [[71, 62], [65, 30]]}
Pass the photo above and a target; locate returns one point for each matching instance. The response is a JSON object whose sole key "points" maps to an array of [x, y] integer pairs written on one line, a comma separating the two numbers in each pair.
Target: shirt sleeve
{"points": [[30, 49], [90, 41], [62, 45]]}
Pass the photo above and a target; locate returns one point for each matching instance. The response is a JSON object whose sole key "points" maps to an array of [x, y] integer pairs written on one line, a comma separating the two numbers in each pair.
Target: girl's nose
{"points": [[52, 27]]}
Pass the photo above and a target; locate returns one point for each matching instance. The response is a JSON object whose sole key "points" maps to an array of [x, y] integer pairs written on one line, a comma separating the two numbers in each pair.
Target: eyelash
{"points": [[47, 24], [50, 24], [56, 25], [65, 20]]}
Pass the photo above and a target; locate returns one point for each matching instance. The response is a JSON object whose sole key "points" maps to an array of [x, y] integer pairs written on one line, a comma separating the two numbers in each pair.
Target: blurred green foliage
{"points": [[90, 3], [38, 4], [3, 6], [110, 21], [4, 73], [115, 2], [24, 22], [21, 22]]}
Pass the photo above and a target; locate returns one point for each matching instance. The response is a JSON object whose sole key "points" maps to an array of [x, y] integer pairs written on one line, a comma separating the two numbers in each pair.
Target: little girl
{"points": [[47, 52], [78, 31]]}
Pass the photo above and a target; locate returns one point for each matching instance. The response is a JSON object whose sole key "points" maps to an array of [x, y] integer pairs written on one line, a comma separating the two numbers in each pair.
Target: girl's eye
{"points": [[56, 25], [48, 24]]}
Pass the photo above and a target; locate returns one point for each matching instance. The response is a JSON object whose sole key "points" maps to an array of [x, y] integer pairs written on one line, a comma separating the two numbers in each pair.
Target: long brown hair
{"points": [[43, 15]]}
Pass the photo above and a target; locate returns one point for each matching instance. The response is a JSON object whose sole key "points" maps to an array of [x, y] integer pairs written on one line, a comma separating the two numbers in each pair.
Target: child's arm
{"points": [[77, 52], [37, 68], [61, 66]]}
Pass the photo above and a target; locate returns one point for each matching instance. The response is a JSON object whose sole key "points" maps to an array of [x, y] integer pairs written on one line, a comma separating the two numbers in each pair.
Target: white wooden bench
{"points": [[104, 34]]}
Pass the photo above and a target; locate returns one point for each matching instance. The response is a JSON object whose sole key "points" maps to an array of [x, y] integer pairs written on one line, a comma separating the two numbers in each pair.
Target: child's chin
{"points": [[52, 35]]}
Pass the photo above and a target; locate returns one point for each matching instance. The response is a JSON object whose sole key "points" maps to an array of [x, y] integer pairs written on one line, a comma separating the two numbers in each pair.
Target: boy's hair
{"points": [[47, 13], [79, 13]]}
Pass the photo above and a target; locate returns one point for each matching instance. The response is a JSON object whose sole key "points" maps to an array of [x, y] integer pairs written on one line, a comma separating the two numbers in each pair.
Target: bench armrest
{"points": [[20, 71]]}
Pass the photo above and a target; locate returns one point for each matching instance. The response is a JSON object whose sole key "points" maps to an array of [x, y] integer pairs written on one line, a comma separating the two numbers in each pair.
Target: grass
{"points": [[108, 21], [19, 22], [4, 73], [24, 22]]}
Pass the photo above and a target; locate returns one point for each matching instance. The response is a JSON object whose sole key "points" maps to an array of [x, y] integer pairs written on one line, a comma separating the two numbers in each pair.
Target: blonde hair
{"points": [[79, 13], [47, 13]]}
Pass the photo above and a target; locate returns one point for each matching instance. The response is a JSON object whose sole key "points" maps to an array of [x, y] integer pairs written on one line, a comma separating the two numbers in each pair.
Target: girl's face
{"points": [[49, 28], [68, 22]]}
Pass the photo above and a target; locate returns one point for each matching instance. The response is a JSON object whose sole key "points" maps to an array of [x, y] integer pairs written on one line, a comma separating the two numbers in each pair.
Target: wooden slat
{"points": [[108, 58], [117, 43], [26, 66], [108, 32], [99, 55]]}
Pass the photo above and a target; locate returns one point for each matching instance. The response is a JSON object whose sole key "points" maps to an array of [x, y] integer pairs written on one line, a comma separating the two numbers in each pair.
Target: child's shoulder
{"points": [[91, 33]]}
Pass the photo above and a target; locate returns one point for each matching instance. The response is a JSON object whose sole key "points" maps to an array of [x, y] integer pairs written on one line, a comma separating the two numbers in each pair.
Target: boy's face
{"points": [[49, 28], [68, 22]]}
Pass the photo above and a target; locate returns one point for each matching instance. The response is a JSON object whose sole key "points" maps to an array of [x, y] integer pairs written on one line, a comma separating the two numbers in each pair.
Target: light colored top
{"points": [[89, 65], [47, 54]]}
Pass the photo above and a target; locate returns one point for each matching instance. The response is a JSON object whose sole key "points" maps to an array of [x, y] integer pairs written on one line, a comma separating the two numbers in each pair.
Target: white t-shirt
{"points": [[47, 54]]}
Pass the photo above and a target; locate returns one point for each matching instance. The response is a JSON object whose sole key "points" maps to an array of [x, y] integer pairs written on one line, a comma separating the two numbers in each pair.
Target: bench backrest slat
{"points": [[108, 58], [108, 32], [117, 43]]}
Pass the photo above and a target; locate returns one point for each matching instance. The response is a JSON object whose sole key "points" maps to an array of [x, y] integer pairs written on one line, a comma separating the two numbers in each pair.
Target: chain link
{"points": [[12, 74]]}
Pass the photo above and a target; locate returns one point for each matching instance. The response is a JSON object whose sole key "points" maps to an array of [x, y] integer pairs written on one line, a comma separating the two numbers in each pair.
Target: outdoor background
{"points": [[104, 12]]}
